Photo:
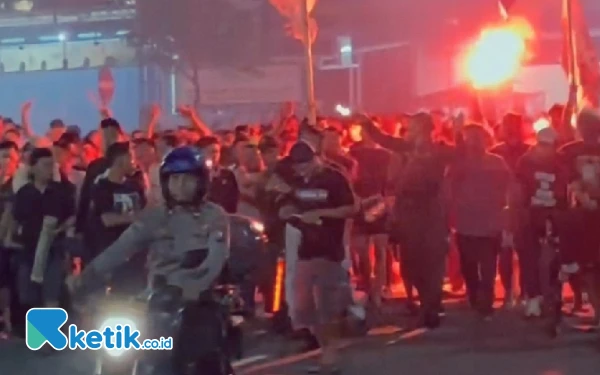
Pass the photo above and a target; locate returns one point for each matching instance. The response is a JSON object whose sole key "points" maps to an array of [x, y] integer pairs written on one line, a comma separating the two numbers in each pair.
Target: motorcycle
{"points": [[115, 310], [217, 317]]}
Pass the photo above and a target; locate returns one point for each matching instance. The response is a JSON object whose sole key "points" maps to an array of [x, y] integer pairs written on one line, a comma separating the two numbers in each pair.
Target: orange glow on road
{"points": [[279, 280]]}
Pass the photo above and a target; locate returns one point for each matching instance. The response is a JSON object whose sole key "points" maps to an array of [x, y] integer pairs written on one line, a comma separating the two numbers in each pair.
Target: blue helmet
{"points": [[185, 160]]}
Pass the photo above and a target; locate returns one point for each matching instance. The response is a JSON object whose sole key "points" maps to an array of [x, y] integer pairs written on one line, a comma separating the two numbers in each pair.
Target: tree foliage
{"points": [[199, 32], [189, 34]]}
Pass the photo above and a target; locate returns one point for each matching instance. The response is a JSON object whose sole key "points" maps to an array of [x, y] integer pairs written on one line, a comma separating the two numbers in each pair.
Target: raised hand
{"points": [[105, 112], [26, 108], [155, 111], [185, 110]]}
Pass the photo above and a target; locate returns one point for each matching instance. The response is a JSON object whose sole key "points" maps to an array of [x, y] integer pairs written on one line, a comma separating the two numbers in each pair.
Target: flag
{"points": [[504, 7], [580, 60], [296, 27]]}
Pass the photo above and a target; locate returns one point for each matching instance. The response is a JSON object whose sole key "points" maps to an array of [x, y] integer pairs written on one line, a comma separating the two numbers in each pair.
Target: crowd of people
{"points": [[419, 188]]}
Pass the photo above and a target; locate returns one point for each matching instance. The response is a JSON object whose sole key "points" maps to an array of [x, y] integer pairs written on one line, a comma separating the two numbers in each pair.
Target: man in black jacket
{"points": [[111, 132]]}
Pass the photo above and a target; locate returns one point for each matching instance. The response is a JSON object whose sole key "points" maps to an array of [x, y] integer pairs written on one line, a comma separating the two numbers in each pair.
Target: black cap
{"points": [[66, 140], [110, 123], [57, 123], [74, 129], [301, 152]]}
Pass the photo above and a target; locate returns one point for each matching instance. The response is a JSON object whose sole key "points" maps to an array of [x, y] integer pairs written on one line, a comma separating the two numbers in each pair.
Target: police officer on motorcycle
{"points": [[187, 237]]}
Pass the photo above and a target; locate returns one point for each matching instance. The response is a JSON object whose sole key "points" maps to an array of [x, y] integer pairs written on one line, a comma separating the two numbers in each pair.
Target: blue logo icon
{"points": [[117, 334], [43, 326]]}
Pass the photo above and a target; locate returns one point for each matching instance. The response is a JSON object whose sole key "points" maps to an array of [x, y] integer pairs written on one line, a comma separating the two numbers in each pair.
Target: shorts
{"points": [[34, 294], [320, 292]]}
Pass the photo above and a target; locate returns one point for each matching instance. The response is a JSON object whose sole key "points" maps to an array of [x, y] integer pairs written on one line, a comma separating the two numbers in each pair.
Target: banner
{"points": [[580, 60], [292, 10], [504, 6]]}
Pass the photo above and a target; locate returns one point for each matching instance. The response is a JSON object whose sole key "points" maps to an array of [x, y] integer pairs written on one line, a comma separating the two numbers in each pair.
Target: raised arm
{"points": [[150, 127], [389, 142], [195, 120], [134, 240], [26, 121]]}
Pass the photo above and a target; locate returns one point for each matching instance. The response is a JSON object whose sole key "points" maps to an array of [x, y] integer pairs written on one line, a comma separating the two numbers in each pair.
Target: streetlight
{"points": [[62, 37]]}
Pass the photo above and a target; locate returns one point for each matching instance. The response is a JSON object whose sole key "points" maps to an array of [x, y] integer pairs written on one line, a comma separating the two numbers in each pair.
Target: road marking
{"points": [[408, 335], [386, 330], [249, 360], [288, 360]]}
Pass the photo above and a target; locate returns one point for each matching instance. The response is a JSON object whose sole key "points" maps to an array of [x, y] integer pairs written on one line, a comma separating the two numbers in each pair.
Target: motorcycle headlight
{"points": [[112, 323]]}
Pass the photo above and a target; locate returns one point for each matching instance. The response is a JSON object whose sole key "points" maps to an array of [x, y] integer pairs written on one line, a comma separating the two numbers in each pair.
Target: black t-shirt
{"points": [[95, 169], [224, 190], [544, 181], [344, 163], [31, 206], [328, 188], [583, 163], [510, 153], [111, 197], [7, 198], [373, 167]]}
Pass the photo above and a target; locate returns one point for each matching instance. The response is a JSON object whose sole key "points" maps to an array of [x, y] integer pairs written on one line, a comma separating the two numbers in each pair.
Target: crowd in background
{"points": [[427, 189]]}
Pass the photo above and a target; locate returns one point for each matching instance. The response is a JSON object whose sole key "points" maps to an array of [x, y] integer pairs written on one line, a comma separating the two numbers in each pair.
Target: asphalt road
{"points": [[464, 345]]}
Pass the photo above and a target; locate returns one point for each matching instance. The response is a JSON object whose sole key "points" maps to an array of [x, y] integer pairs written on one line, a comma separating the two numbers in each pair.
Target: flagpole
{"points": [[310, 73], [572, 51]]}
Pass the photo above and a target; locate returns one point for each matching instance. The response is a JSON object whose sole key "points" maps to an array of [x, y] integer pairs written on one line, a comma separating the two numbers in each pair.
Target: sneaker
{"points": [[310, 343], [432, 321], [533, 309], [509, 302], [357, 312]]}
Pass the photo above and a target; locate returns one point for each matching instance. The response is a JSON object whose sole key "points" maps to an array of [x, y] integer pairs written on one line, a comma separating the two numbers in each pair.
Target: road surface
{"points": [[464, 345]]}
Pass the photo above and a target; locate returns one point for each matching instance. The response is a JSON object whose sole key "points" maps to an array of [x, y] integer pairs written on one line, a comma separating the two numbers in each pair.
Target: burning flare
{"points": [[540, 124], [497, 55]]}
